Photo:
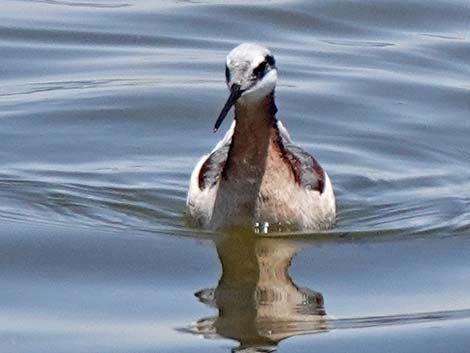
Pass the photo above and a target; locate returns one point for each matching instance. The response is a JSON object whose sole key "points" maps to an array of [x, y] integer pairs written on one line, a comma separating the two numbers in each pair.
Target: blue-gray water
{"points": [[105, 107]]}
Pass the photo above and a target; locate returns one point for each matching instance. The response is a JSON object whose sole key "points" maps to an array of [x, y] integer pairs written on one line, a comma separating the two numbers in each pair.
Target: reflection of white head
{"points": [[252, 68]]}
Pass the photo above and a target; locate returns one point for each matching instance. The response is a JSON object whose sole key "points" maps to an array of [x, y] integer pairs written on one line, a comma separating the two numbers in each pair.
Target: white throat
{"points": [[261, 89]]}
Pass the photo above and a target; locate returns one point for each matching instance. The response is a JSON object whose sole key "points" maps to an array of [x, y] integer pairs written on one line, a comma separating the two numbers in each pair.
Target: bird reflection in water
{"points": [[258, 304]]}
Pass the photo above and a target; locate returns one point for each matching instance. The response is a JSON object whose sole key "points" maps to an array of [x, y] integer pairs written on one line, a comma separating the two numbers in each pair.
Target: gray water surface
{"points": [[106, 106]]}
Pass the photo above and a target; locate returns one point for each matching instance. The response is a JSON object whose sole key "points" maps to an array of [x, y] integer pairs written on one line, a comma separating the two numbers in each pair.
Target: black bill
{"points": [[235, 93]]}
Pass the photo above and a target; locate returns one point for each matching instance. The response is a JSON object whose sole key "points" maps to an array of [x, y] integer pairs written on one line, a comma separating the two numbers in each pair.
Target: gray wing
{"points": [[212, 168], [307, 171]]}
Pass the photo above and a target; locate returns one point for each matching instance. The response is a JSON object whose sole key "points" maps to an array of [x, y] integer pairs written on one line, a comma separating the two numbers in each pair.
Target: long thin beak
{"points": [[235, 93]]}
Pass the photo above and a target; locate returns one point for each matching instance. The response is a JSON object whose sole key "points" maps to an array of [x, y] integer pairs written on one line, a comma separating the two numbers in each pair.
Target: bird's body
{"points": [[256, 175]]}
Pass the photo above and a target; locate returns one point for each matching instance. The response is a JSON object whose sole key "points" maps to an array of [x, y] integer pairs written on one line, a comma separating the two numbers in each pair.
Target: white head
{"points": [[251, 75]]}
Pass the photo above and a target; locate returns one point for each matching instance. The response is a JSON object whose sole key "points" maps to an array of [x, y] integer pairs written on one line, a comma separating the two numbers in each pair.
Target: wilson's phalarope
{"points": [[256, 175]]}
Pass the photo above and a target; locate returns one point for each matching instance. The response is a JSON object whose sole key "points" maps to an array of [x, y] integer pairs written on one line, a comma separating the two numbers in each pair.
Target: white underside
{"points": [[302, 208]]}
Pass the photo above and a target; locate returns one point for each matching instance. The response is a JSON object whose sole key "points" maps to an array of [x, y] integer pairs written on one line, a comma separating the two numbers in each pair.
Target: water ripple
{"points": [[383, 110]]}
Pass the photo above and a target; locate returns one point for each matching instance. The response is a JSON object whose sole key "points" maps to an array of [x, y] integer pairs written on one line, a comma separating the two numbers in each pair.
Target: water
{"points": [[105, 107]]}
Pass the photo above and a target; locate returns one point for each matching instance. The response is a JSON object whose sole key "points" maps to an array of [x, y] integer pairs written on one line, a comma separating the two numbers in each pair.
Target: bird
{"points": [[256, 177]]}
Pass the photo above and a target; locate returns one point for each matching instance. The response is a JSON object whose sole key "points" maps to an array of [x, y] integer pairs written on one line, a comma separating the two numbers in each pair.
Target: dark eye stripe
{"points": [[260, 69], [227, 73], [270, 60]]}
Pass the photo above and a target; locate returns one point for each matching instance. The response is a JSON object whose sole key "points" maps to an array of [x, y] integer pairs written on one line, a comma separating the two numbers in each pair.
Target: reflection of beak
{"points": [[235, 93]]}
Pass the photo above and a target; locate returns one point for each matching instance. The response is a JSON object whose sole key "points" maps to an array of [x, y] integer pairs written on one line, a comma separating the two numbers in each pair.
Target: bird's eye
{"points": [[259, 70], [227, 73]]}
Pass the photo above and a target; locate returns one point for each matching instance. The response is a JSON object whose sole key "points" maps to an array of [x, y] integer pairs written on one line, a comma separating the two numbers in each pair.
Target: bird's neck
{"points": [[254, 130]]}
